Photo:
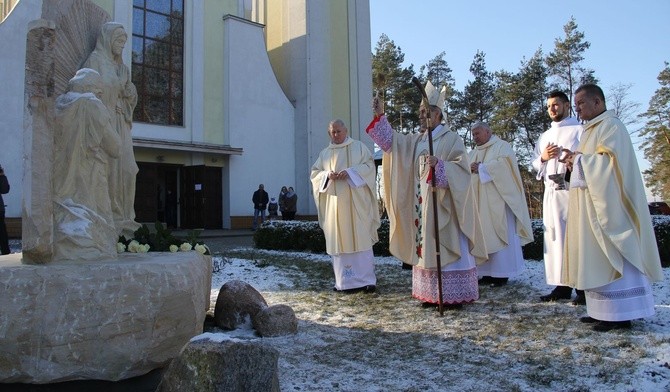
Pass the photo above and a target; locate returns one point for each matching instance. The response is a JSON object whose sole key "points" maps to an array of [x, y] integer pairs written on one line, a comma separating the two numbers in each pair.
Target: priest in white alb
{"points": [[409, 199], [610, 249], [503, 210], [343, 186]]}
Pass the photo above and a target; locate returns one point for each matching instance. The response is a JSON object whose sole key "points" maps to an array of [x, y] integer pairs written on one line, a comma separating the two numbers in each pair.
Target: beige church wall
{"points": [[325, 72], [259, 117], [212, 59], [340, 76]]}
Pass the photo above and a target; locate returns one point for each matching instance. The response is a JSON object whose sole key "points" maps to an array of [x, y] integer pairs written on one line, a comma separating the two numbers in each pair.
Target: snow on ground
{"points": [[507, 340]]}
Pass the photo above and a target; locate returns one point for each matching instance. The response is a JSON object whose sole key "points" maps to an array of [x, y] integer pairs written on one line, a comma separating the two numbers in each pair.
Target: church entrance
{"points": [[156, 197], [186, 197]]}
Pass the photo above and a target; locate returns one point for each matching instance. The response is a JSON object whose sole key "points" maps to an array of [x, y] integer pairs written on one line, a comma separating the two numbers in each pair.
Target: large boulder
{"points": [[105, 320], [275, 320], [228, 366], [237, 304]]}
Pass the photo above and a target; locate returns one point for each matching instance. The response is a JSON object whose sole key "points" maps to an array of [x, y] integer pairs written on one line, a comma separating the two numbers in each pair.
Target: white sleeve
{"points": [[484, 175]]}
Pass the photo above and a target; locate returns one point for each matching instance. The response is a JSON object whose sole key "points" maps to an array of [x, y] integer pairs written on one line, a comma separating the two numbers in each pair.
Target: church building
{"points": [[231, 94]]}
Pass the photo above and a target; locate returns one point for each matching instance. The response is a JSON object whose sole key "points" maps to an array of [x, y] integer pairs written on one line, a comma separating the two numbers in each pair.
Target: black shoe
{"points": [[604, 326], [588, 320], [559, 292], [366, 289], [485, 280], [580, 299], [498, 282], [406, 266], [444, 306]]}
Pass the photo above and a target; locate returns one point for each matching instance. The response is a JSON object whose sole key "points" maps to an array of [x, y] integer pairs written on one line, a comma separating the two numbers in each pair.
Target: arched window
{"points": [[158, 61]]}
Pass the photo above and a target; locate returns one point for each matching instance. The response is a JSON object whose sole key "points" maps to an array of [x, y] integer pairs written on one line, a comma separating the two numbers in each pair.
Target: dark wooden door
{"points": [[156, 193], [200, 201]]}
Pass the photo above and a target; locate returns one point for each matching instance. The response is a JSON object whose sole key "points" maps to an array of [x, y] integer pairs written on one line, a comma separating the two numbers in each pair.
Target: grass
{"points": [[507, 340]]}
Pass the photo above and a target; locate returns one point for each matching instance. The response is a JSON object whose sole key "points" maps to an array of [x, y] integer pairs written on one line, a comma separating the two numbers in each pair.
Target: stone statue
{"points": [[85, 144], [120, 97]]}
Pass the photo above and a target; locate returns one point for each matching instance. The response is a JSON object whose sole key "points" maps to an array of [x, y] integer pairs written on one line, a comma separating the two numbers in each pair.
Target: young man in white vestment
{"points": [[610, 248], [503, 210], [564, 132], [343, 186], [409, 201]]}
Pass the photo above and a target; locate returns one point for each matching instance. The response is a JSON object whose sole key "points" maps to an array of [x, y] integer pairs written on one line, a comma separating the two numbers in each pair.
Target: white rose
{"points": [[174, 248], [144, 248], [120, 247], [185, 247], [202, 249], [133, 246]]}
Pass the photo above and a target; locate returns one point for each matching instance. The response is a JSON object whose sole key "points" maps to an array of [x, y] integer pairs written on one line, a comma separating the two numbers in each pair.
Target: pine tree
{"points": [[564, 63], [439, 73], [520, 117], [656, 134], [394, 84], [475, 103]]}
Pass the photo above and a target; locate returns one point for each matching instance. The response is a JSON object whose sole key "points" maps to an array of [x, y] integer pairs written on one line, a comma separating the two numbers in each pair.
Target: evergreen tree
{"points": [[394, 84], [439, 73], [475, 103], [656, 134], [520, 117], [564, 62]]}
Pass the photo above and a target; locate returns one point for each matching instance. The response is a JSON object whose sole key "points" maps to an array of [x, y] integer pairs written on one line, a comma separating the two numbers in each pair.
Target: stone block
{"points": [[228, 366], [100, 320]]}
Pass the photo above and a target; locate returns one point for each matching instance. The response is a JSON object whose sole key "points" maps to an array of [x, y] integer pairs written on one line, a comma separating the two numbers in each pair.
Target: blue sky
{"points": [[630, 40]]}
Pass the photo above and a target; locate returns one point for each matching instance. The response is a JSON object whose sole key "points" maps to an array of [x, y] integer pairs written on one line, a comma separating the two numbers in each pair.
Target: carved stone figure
{"points": [[84, 145], [120, 97]]}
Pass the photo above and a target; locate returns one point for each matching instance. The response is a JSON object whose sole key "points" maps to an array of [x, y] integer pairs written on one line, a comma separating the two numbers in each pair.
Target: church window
{"points": [[157, 61]]}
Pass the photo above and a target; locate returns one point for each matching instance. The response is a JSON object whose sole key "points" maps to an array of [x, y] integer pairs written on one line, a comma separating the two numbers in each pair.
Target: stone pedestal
{"points": [[103, 320]]}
